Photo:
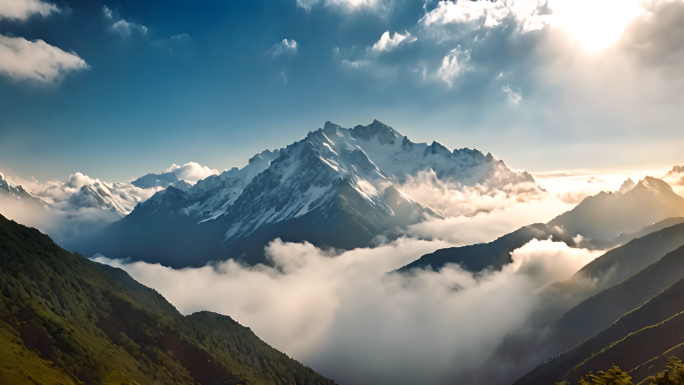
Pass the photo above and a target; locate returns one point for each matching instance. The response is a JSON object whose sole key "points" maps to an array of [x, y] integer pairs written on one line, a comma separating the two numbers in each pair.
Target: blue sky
{"points": [[130, 87]]}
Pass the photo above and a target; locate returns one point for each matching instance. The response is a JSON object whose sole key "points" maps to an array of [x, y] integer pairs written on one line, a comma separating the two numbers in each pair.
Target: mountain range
{"points": [[66, 319], [71, 209], [336, 188], [602, 221], [636, 324]]}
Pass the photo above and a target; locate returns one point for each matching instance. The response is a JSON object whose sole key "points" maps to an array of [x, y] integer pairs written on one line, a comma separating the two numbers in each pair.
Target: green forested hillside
{"points": [[67, 320], [597, 312], [672, 374], [639, 342], [634, 324]]}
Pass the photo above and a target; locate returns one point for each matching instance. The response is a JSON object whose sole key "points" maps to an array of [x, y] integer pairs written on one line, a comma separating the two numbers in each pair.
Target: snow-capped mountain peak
{"points": [[336, 187], [16, 192]]}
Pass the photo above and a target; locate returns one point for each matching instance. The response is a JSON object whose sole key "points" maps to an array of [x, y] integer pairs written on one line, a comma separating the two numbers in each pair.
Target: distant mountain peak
{"points": [[654, 184], [330, 126], [627, 185], [606, 215], [384, 133], [658, 187], [155, 180], [263, 157]]}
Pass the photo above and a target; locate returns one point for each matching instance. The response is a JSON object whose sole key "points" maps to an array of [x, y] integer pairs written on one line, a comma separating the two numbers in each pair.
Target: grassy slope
{"points": [[600, 311], [78, 321], [643, 335], [21, 366]]}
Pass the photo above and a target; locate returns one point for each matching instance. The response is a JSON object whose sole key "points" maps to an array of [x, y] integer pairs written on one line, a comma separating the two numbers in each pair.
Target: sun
{"points": [[594, 24]]}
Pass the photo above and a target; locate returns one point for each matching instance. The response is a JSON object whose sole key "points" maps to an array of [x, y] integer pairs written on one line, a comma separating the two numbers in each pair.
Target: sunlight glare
{"points": [[594, 24]]}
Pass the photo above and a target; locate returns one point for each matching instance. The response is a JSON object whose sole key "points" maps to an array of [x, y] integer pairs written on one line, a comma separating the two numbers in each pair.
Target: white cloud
{"points": [[347, 318], [513, 96], [451, 12], [593, 24], [121, 26], [348, 5], [453, 65], [572, 186], [357, 64], [486, 14], [78, 205], [675, 177], [68, 196], [480, 213], [36, 60], [387, 43], [61, 226], [452, 199], [124, 28], [191, 172], [23, 9], [486, 226], [180, 37], [284, 47], [368, 63], [108, 14], [371, 67]]}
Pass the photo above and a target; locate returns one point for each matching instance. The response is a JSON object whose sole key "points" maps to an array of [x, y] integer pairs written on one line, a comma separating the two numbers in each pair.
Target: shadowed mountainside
{"points": [[65, 319]]}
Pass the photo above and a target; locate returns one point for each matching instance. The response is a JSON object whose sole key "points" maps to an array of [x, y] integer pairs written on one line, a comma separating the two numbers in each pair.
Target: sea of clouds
{"points": [[350, 316]]}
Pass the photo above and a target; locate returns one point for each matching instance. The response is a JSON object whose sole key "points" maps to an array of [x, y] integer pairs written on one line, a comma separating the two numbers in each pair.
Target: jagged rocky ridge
{"points": [[337, 187]]}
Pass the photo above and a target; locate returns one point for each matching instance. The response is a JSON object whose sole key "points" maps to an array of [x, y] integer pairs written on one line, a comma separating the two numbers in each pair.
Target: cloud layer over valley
{"points": [[349, 316], [344, 315]]}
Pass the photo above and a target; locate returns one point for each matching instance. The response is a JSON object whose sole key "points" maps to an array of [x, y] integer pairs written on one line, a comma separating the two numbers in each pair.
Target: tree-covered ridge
{"points": [[67, 320], [673, 374], [636, 324]]}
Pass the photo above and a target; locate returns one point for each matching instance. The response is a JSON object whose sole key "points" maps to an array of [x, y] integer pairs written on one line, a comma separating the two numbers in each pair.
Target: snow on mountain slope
{"points": [[337, 187], [400, 158], [16, 193], [74, 209], [371, 157], [211, 197], [82, 191], [306, 176]]}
